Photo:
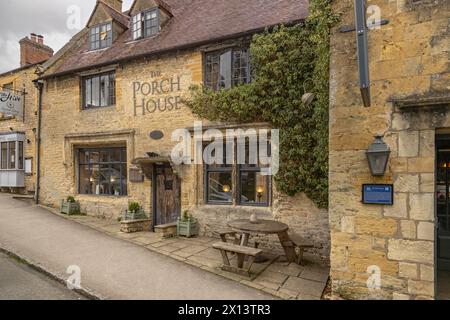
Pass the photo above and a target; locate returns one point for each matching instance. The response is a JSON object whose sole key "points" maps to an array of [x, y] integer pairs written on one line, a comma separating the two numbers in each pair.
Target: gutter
{"points": [[39, 84]]}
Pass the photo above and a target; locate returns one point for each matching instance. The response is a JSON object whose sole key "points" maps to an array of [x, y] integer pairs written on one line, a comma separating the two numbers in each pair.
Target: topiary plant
{"points": [[71, 199]]}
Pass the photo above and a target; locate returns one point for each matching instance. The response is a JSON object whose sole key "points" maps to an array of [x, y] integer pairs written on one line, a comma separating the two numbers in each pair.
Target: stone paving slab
{"points": [[277, 276]]}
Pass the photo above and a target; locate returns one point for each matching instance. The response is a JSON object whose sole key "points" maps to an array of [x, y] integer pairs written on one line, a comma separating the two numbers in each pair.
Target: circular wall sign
{"points": [[156, 135]]}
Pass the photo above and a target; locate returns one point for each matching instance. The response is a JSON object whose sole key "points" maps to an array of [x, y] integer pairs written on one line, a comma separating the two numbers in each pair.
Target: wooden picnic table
{"points": [[247, 228]]}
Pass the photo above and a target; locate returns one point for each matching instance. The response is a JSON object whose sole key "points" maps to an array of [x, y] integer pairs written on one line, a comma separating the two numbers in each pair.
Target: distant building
{"points": [[18, 118]]}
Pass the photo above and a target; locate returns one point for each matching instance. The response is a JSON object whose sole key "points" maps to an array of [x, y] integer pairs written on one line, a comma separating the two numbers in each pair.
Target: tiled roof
{"points": [[194, 22], [120, 17]]}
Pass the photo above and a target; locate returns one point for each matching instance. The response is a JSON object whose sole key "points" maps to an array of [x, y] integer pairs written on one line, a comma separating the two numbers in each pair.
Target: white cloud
{"points": [[19, 18]]}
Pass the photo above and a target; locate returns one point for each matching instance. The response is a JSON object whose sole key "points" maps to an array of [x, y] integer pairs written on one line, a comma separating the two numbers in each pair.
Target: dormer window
{"points": [[101, 36], [137, 26], [146, 24]]}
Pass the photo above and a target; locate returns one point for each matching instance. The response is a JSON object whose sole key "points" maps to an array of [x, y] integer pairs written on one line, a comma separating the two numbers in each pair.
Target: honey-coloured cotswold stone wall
{"points": [[409, 60], [66, 127], [23, 80]]}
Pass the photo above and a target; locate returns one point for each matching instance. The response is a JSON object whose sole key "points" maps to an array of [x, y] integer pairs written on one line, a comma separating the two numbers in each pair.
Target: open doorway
{"points": [[443, 215]]}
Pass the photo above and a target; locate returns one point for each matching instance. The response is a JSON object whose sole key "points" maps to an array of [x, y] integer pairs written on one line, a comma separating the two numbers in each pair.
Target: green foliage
{"points": [[287, 62], [71, 199], [187, 216], [134, 207]]}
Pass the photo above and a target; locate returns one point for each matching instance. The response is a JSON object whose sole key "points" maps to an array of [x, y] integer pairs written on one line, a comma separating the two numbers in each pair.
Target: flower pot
{"points": [[187, 228], [134, 215], [70, 208]]}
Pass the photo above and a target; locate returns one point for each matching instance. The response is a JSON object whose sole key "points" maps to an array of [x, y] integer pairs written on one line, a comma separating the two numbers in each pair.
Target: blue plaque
{"points": [[378, 194]]}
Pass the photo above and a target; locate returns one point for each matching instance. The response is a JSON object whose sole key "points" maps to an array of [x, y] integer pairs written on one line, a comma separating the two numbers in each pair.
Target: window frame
{"points": [[236, 171], [8, 86], [224, 169], [240, 170], [141, 24], [94, 40], [5, 157], [233, 80], [111, 99], [145, 21], [4, 150], [123, 168]]}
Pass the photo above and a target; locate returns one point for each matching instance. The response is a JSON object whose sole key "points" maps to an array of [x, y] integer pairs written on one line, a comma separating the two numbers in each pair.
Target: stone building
{"points": [[18, 118], [113, 96], [406, 244]]}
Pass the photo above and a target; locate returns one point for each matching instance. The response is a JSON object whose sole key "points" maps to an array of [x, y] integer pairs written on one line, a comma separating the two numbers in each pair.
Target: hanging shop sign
{"points": [[11, 104], [161, 94]]}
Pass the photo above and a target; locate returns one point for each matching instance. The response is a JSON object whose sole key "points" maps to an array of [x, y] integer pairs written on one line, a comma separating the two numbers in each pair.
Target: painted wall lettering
{"points": [[156, 96]]}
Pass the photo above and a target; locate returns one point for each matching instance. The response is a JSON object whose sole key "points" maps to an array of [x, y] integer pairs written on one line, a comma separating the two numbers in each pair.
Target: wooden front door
{"points": [[167, 194]]}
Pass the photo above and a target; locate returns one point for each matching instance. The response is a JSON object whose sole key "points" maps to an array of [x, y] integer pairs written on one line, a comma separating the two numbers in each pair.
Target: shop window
{"points": [[4, 156], [103, 171], [237, 181], [227, 68], [99, 90], [219, 176], [100, 36], [145, 24], [11, 155]]}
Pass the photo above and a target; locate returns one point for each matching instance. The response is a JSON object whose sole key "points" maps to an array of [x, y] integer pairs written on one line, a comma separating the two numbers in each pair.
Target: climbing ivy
{"points": [[286, 62]]}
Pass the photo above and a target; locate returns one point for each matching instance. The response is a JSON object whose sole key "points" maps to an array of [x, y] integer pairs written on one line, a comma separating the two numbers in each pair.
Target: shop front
{"points": [[110, 124]]}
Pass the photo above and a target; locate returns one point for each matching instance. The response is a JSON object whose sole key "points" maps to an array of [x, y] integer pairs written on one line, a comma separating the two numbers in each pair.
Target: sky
{"points": [[56, 20]]}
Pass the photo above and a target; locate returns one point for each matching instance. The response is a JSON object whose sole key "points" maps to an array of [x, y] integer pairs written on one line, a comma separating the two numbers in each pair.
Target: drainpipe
{"points": [[39, 84]]}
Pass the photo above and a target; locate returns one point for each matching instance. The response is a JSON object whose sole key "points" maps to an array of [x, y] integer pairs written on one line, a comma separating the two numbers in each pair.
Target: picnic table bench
{"points": [[301, 243], [242, 253]]}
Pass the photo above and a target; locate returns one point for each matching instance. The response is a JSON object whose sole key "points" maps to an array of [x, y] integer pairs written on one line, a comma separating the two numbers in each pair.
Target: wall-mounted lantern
{"points": [[378, 156]]}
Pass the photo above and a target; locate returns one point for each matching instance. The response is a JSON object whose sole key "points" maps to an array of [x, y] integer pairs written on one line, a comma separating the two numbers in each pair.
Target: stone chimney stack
{"points": [[33, 50], [116, 4]]}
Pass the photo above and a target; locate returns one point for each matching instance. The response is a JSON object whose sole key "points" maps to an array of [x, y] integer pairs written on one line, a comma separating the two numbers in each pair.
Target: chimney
{"points": [[116, 4], [33, 50]]}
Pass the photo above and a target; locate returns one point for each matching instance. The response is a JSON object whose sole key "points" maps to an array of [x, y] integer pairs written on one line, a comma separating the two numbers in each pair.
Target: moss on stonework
{"points": [[287, 62]]}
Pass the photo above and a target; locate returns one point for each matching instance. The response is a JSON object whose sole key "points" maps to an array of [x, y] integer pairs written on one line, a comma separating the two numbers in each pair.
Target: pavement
{"points": [[20, 282], [275, 276], [110, 268]]}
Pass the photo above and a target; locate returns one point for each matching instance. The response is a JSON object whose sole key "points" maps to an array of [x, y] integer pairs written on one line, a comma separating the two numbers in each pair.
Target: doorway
{"points": [[166, 195], [443, 216]]}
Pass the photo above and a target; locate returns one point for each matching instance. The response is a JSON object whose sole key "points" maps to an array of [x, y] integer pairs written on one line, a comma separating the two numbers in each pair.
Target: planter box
{"points": [[189, 228], [132, 226], [130, 216], [70, 208]]}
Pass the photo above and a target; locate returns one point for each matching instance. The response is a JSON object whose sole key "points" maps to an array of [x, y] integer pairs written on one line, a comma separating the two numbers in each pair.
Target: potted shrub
{"points": [[70, 206], [134, 212], [134, 219], [187, 225]]}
